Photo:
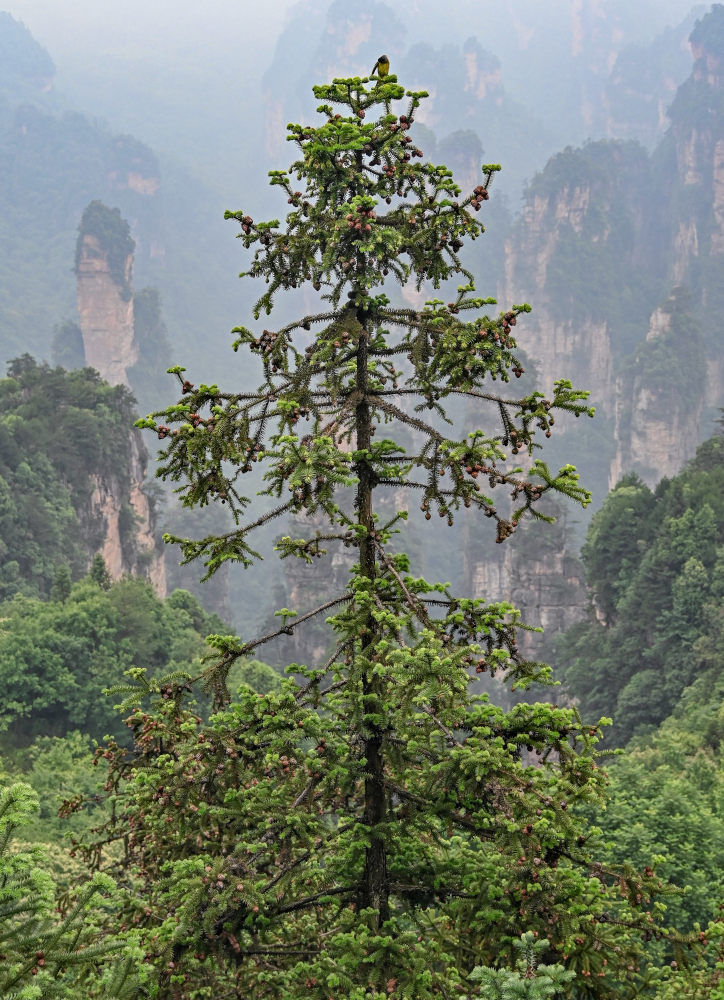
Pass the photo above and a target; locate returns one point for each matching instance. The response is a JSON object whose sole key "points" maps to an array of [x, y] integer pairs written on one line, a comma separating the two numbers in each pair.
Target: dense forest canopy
{"points": [[654, 566]]}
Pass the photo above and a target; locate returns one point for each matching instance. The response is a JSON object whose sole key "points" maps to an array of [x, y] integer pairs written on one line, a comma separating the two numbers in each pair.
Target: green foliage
{"points": [[617, 538], [670, 378], [60, 591], [44, 956], [59, 432], [703, 982], [113, 236], [664, 368], [99, 572], [57, 657], [59, 768], [655, 564], [530, 980], [256, 674], [667, 799]]}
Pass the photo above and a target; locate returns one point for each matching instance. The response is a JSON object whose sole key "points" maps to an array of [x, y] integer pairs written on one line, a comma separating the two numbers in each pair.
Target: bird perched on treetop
{"points": [[381, 67]]}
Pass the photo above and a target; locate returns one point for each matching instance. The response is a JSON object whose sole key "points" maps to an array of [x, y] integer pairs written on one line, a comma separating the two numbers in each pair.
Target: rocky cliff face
{"points": [[536, 573], [105, 310], [695, 144], [580, 237], [658, 411], [123, 520], [123, 517], [607, 239], [620, 254]]}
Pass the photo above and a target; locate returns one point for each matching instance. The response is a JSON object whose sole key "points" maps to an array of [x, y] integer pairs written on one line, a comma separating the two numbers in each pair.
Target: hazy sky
{"points": [[246, 27], [146, 66], [170, 27], [186, 77]]}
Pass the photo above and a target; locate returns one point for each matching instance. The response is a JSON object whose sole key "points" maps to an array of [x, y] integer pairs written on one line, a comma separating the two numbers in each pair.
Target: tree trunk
{"points": [[375, 891]]}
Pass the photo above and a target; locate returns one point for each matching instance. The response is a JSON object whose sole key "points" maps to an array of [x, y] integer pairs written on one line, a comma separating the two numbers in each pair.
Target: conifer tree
{"points": [[43, 956], [98, 572], [373, 829]]}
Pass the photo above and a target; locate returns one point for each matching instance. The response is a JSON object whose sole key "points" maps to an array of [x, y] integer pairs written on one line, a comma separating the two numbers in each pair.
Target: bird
{"points": [[381, 67]]}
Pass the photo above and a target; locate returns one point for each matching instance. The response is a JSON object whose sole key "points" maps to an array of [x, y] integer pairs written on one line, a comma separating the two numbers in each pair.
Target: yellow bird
{"points": [[381, 67]]}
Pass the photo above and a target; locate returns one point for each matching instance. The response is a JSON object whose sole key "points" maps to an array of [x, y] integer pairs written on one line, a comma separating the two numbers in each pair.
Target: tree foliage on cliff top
{"points": [[606, 260], [114, 238]]}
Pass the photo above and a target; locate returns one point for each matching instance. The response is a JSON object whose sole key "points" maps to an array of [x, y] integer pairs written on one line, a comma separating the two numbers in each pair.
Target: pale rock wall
{"points": [[717, 236], [707, 65], [145, 535], [659, 436], [105, 507], [107, 324], [106, 315], [143, 185], [549, 590], [714, 393], [480, 83], [686, 249], [136, 554], [699, 146], [653, 428], [578, 348]]}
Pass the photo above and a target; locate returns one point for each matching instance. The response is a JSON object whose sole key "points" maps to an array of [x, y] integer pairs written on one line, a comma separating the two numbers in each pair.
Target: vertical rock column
{"points": [[104, 267], [106, 312]]}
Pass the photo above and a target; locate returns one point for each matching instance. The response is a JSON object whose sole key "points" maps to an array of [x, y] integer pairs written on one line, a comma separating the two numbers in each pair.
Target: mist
{"points": [[189, 79]]}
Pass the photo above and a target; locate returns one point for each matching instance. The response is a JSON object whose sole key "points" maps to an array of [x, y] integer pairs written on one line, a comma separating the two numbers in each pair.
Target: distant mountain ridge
{"points": [[53, 162], [622, 255], [23, 62]]}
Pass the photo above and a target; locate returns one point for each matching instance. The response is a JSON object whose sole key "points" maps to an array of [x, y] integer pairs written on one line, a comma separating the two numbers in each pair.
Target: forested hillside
{"points": [[655, 569], [649, 657]]}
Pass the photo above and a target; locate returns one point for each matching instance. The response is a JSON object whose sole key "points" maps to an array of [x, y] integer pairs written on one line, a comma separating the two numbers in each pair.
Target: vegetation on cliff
{"points": [[599, 201], [650, 657], [57, 656], [62, 434], [115, 243], [655, 566]]}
